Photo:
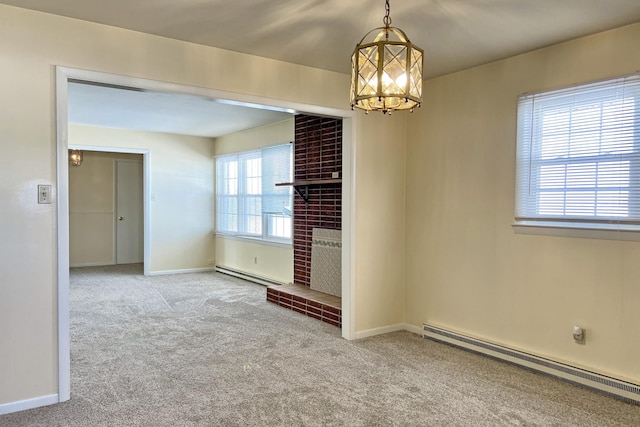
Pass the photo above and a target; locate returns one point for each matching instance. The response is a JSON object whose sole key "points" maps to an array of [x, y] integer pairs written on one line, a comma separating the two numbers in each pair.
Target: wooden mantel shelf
{"points": [[302, 186], [303, 182]]}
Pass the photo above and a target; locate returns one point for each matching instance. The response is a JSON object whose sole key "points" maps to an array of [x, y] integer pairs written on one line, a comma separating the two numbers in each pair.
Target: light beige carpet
{"points": [[208, 350]]}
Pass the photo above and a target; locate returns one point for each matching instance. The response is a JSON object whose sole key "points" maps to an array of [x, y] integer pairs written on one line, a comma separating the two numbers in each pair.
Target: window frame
{"points": [[248, 193], [529, 218]]}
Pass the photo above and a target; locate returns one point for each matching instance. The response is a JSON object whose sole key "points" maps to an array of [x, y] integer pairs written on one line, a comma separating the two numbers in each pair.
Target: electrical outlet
{"points": [[579, 334], [335, 175], [255, 260]]}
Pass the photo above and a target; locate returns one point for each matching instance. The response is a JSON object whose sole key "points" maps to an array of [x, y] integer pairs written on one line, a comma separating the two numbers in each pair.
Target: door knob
{"points": [[120, 218]]}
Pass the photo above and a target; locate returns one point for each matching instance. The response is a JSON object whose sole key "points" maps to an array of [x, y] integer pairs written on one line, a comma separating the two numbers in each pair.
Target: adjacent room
{"points": [[202, 227]]}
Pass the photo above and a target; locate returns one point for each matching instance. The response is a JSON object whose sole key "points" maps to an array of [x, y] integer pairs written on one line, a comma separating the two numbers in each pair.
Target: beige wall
{"points": [[181, 193], [380, 222], [92, 208], [466, 269], [32, 44], [259, 259], [253, 139]]}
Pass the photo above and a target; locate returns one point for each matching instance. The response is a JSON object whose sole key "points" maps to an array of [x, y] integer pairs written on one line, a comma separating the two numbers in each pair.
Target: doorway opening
{"points": [[106, 209], [65, 75]]}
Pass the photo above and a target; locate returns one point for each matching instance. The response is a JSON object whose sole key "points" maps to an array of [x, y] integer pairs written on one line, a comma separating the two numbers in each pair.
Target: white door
{"points": [[129, 212]]}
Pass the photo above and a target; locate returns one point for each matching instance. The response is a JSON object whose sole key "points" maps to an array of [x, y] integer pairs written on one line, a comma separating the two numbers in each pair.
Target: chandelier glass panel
{"points": [[386, 72]]}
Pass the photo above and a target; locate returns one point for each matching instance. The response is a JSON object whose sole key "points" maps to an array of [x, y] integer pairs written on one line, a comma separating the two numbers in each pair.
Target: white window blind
{"points": [[248, 203], [277, 201], [578, 155]]}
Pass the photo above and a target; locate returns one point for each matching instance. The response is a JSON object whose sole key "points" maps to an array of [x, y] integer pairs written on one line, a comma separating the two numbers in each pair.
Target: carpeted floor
{"points": [[208, 350]]}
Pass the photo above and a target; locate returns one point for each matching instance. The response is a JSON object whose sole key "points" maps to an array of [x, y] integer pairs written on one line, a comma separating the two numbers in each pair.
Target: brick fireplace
{"points": [[318, 153], [317, 204]]}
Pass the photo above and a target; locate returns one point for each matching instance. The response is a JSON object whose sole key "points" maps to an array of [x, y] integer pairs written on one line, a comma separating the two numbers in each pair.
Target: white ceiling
{"points": [[99, 105], [455, 34]]}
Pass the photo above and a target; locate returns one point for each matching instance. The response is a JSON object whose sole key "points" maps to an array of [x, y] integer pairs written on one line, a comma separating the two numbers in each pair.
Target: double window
{"points": [[248, 202], [578, 156]]}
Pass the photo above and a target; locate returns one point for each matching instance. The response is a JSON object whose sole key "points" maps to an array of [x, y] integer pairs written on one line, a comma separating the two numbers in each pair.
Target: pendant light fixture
{"points": [[75, 157], [386, 73]]}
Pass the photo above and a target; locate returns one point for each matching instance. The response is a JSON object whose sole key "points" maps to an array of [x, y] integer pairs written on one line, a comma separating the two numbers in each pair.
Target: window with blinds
{"points": [[248, 203], [578, 156]]}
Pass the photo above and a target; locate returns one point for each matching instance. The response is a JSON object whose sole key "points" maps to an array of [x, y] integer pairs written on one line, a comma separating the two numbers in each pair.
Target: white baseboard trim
{"points": [[413, 329], [183, 271], [23, 405], [92, 264], [623, 390], [388, 329], [379, 331]]}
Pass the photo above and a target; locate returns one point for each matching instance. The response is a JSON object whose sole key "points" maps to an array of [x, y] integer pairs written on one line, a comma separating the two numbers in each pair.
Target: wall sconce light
{"points": [[75, 157]]}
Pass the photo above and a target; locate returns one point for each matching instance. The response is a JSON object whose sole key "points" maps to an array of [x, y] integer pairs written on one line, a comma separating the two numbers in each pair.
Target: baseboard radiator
{"points": [[626, 391], [248, 276]]}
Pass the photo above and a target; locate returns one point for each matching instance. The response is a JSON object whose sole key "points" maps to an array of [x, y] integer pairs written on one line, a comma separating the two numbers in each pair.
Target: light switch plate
{"points": [[44, 194]]}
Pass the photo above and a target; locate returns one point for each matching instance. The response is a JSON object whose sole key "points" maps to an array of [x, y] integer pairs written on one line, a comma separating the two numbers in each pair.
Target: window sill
{"points": [[579, 230], [254, 240]]}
